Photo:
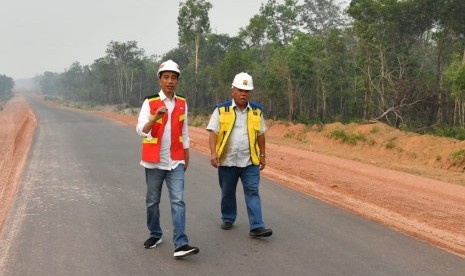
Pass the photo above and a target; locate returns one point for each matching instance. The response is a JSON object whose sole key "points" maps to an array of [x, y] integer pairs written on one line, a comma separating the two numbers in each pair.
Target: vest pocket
{"points": [[256, 122]]}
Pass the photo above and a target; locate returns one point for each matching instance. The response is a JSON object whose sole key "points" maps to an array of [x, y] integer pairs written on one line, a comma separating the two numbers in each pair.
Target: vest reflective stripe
{"points": [[151, 141], [227, 121], [151, 148]]}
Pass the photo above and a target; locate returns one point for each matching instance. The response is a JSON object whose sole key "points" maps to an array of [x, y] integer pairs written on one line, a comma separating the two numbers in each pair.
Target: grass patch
{"points": [[301, 137], [371, 142], [198, 121], [350, 139], [374, 130], [450, 131], [458, 157], [391, 143], [318, 127], [289, 135]]}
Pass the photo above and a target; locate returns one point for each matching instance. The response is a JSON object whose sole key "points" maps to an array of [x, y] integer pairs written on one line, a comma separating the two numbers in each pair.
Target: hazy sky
{"points": [[49, 35]]}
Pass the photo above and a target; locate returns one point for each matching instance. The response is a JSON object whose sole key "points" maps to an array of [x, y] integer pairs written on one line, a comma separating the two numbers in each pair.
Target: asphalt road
{"points": [[81, 211]]}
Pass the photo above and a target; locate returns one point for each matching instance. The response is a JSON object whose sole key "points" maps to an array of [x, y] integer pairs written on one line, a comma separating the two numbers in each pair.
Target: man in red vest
{"points": [[165, 156]]}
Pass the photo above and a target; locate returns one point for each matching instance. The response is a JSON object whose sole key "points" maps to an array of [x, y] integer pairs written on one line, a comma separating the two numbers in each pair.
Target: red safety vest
{"points": [[151, 148]]}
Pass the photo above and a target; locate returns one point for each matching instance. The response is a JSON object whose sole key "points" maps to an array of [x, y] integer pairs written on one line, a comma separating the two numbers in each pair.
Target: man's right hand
{"points": [[159, 113], [214, 160], [161, 110]]}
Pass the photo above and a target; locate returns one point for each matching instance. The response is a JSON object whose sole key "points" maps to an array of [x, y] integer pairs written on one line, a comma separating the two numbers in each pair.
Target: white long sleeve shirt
{"points": [[166, 163]]}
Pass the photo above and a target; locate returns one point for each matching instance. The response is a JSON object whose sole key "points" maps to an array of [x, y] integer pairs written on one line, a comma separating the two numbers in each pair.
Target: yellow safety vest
{"points": [[227, 121]]}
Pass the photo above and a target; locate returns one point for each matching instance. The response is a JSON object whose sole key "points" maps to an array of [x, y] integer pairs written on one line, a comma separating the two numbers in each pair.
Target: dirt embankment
{"points": [[424, 196], [17, 125]]}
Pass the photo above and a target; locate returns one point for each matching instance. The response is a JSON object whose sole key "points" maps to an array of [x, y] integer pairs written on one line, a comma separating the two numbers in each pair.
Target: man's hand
{"points": [[262, 162], [186, 159], [214, 160], [159, 113]]}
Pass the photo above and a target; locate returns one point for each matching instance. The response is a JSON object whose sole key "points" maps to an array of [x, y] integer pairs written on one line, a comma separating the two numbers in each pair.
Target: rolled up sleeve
{"points": [[144, 116]]}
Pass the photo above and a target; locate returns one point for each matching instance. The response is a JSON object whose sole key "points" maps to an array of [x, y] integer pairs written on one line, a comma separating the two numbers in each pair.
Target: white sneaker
{"points": [[186, 250]]}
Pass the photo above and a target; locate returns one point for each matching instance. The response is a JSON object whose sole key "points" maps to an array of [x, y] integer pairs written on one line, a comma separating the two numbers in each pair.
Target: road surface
{"points": [[81, 211]]}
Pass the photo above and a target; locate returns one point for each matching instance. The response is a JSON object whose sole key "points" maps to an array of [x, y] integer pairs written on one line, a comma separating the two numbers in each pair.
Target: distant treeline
{"points": [[6, 86], [399, 62]]}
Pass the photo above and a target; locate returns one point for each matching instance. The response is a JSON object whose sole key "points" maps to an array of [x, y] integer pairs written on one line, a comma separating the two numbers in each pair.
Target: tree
{"points": [[282, 20], [193, 23], [72, 81], [254, 35], [126, 59], [448, 23], [320, 16], [388, 35], [213, 83], [6, 85], [455, 75], [49, 83]]}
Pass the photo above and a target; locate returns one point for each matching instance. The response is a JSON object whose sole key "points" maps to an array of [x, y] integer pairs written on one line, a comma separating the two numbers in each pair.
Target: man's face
{"points": [[241, 97], [168, 81]]}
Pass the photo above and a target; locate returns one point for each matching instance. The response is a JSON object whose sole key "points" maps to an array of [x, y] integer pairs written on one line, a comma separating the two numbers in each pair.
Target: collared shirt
{"points": [[237, 151], [166, 163]]}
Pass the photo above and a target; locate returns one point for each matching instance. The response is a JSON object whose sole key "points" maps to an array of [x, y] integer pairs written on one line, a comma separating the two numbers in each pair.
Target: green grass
{"points": [[391, 144], [450, 131], [350, 139], [458, 157]]}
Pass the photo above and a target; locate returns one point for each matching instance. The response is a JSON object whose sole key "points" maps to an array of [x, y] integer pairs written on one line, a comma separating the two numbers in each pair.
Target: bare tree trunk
{"points": [[323, 99], [140, 89], [462, 123], [196, 72], [439, 115], [130, 87], [119, 80], [355, 90], [290, 95], [366, 98], [317, 94], [462, 103]]}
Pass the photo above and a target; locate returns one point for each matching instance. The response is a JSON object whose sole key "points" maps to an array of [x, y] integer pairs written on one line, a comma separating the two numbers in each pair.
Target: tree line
{"points": [[401, 62], [6, 86]]}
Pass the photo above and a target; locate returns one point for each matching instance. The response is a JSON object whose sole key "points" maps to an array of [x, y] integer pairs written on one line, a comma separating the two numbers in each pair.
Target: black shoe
{"points": [[260, 232], [152, 242], [185, 250], [226, 225]]}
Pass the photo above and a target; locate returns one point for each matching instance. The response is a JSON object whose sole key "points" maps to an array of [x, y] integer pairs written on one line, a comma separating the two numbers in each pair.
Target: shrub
{"points": [[374, 130], [450, 131], [391, 144], [350, 139], [458, 157]]}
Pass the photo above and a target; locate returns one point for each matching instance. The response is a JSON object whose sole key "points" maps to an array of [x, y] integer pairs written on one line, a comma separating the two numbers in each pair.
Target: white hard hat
{"points": [[243, 81], [169, 65]]}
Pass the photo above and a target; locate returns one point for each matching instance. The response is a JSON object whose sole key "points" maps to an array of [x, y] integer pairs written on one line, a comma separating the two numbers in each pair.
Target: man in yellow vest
{"points": [[237, 146], [165, 156]]}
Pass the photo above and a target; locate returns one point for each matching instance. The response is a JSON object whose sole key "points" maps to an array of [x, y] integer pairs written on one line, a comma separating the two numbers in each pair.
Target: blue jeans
{"points": [[175, 183], [250, 178]]}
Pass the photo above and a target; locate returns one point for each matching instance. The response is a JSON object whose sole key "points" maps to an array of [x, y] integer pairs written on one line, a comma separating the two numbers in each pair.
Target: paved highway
{"points": [[81, 211]]}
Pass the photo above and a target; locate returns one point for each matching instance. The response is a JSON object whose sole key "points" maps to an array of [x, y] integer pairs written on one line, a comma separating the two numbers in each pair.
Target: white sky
{"points": [[49, 35]]}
